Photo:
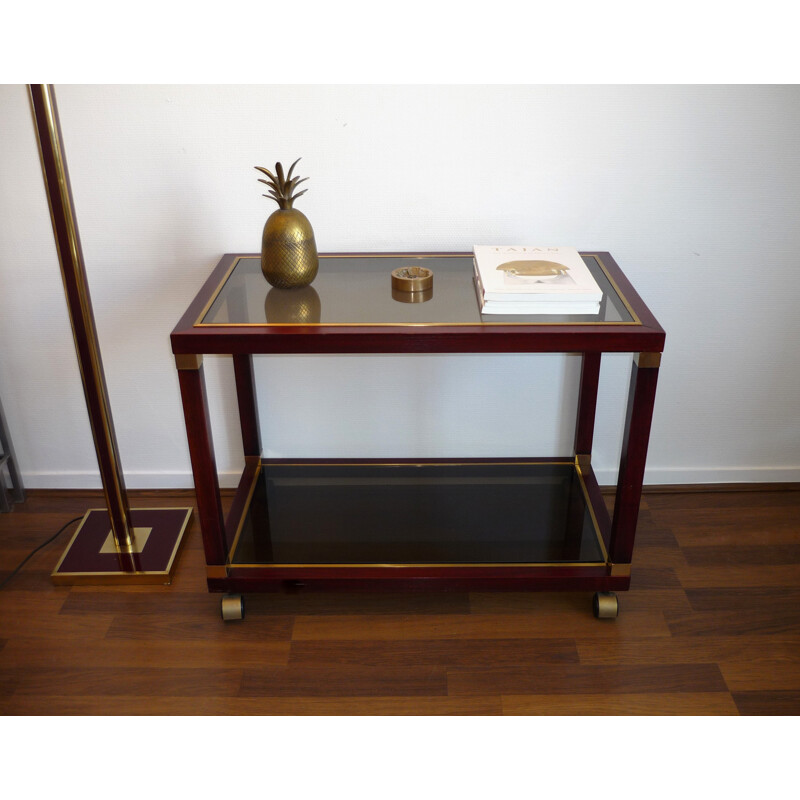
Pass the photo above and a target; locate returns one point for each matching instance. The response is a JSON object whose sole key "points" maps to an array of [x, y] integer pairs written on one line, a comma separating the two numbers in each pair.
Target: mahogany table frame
{"points": [[644, 338]]}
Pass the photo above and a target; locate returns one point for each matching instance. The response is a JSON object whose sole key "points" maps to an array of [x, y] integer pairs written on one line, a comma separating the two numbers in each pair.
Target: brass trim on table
{"points": [[619, 292], [583, 459], [593, 516], [620, 570], [424, 565], [245, 511], [648, 360], [216, 571], [188, 360], [412, 463], [200, 324]]}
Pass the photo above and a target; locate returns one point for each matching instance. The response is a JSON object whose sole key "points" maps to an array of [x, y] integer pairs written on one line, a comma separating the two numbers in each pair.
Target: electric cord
{"points": [[33, 552]]}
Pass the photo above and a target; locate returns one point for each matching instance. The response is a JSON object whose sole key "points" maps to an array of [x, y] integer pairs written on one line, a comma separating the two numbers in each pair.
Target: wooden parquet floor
{"points": [[711, 626]]}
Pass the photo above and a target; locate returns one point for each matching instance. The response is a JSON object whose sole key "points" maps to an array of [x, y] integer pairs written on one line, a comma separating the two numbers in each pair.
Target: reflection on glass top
{"points": [[357, 290], [418, 514]]}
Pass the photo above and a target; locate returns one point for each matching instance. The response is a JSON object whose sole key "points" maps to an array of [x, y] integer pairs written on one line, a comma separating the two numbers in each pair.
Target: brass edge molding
{"points": [[592, 515], [482, 565], [648, 360], [188, 360], [216, 571], [620, 293], [179, 541], [215, 294], [72, 541], [583, 459], [634, 321], [564, 462], [112, 578], [168, 570], [245, 511], [479, 324], [620, 570]]}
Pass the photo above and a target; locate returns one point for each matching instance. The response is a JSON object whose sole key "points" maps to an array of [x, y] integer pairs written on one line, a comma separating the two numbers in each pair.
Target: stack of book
{"points": [[534, 280]]}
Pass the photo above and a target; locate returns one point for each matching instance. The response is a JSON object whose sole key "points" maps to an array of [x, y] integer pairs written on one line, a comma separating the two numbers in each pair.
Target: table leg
{"points": [[248, 406], [641, 399], [201, 451], [587, 403]]}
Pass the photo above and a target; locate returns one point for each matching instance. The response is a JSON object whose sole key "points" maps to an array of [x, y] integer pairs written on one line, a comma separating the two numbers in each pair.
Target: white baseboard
{"points": [[133, 480], [657, 476], [666, 476]]}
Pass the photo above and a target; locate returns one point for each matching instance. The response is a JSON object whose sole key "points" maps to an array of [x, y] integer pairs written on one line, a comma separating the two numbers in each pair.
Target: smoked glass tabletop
{"points": [[419, 514], [357, 290]]}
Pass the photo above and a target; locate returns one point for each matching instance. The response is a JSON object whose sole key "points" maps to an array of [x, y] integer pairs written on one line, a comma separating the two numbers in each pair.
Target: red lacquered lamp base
{"points": [[93, 558]]}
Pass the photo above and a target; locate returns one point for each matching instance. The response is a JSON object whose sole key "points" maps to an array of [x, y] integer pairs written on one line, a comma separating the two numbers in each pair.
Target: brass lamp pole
{"points": [[96, 555]]}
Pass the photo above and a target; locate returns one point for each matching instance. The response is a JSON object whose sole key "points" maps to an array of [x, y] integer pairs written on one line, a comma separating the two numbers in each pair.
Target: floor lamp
{"points": [[115, 544]]}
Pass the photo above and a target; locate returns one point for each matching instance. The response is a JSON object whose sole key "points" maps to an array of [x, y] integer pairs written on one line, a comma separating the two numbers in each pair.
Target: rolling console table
{"points": [[506, 523]]}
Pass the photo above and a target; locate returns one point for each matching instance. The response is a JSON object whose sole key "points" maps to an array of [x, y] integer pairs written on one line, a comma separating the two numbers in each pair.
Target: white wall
{"points": [[694, 189]]}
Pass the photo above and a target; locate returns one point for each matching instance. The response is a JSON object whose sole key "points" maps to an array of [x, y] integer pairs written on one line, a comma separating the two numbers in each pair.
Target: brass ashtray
{"points": [[412, 297], [412, 279]]}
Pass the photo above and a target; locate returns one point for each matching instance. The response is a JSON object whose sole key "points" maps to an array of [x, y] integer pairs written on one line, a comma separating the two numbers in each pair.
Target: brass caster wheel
{"points": [[232, 607], [605, 605]]}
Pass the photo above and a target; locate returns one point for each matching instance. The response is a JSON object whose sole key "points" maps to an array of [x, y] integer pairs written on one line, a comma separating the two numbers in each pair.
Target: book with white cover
{"points": [[522, 274], [523, 307]]}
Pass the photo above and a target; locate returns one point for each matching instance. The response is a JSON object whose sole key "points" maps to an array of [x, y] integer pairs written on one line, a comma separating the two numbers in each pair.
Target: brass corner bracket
{"points": [[648, 360], [188, 361], [216, 571]]}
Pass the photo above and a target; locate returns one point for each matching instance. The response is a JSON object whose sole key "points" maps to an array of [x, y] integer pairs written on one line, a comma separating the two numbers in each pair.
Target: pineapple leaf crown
{"points": [[281, 188]]}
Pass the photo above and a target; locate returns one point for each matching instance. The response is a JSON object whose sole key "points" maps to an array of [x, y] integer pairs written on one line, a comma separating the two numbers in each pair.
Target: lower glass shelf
{"points": [[415, 514]]}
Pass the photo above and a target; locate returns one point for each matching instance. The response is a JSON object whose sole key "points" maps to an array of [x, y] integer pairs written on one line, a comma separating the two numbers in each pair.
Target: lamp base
{"points": [[91, 556]]}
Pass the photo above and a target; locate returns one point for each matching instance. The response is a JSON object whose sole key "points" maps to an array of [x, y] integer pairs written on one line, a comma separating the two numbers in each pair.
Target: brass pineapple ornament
{"points": [[289, 257]]}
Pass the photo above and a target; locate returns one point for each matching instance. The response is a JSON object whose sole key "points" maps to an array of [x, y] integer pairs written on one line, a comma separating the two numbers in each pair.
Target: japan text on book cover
{"points": [[522, 274]]}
